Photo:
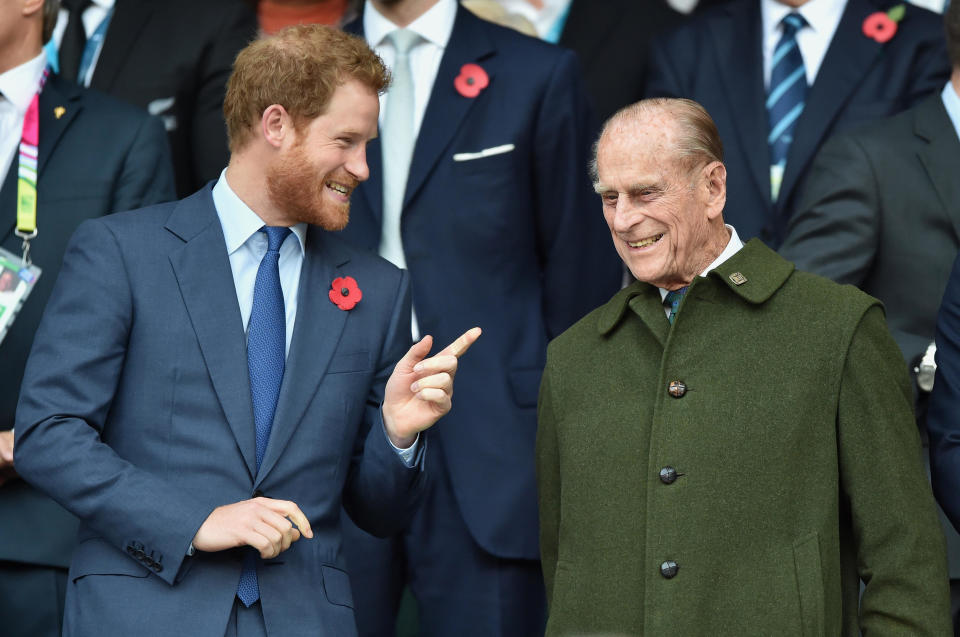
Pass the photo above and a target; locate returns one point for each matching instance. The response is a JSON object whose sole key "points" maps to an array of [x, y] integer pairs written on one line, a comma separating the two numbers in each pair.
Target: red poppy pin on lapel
{"points": [[882, 26], [471, 81], [344, 293]]}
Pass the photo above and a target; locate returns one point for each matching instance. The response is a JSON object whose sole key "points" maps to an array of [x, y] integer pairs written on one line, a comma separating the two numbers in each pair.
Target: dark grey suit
{"points": [[881, 210]]}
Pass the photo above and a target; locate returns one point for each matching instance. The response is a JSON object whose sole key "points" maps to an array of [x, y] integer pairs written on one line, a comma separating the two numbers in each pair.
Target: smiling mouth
{"points": [[339, 188], [643, 243]]}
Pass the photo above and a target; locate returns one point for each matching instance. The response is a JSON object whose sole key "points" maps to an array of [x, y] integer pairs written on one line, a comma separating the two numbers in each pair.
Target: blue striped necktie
{"points": [[266, 359], [788, 90]]}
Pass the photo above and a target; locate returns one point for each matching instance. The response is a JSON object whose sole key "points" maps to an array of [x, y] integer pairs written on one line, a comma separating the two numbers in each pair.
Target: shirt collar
{"points": [[435, 25], [819, 14], [733, 246], [951, 102], [239, 222], [20, 83]]}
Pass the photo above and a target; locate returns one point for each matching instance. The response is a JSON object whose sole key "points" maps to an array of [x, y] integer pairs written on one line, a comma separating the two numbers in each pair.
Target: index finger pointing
{"points": [[463, 343]]}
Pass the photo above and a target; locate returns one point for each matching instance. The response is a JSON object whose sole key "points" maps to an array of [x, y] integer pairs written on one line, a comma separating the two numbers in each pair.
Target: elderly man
{"points": [[212, 377], [727, 446]]}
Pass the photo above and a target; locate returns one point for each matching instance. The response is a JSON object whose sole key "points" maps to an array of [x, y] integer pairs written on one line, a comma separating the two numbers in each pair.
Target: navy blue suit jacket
{"points": [[136, 415], [99, 156], [716, 59], [512, 242], [943, 410]]}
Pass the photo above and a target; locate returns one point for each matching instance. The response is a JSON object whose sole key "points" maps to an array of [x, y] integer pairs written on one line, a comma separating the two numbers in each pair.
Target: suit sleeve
{"points": [[70, 382], [943, 415], [901, 554], [146, 176], [835, 231], [548, 484], [237, 28], [381, 490], [581, 270]]}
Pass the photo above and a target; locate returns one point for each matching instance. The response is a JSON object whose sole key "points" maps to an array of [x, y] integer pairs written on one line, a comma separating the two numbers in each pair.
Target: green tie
{"points": [[673, 299]]}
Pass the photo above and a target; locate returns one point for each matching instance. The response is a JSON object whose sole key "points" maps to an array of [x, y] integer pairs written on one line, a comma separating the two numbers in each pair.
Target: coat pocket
{"points": [[806, 559], [336, 586]]}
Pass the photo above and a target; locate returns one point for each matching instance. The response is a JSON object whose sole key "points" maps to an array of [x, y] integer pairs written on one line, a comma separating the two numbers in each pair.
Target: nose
{"points": [[625, 215], [357, 163]]}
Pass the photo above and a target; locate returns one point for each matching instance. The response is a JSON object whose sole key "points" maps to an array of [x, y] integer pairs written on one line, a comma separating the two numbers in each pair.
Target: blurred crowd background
{"points": [[848, 163]]}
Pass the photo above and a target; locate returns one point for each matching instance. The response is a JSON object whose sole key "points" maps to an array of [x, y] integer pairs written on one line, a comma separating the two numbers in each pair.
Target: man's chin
{"points": [[334, 221]]}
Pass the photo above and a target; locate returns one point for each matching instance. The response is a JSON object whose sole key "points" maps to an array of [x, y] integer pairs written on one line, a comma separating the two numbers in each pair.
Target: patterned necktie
{"points": [[74, 39], [672, 300], [266, 357], [788, 90], [397, 140]]}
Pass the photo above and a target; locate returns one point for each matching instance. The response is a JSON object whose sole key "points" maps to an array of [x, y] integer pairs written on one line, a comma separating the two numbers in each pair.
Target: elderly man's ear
{"points": [[715, 174]]}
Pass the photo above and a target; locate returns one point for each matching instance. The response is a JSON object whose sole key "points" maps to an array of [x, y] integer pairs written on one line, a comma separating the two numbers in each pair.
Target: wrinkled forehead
{"points": [[645, 146]]}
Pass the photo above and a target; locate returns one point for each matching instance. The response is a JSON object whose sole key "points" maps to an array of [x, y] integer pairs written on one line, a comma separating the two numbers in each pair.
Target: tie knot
{"points": [[403, 40], [673, 296], [275, 236], [75, 5], [792, 23]]}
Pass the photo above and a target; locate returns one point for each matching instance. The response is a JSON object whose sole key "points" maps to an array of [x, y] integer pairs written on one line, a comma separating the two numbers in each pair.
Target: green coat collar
{"points": [[759, 270]]}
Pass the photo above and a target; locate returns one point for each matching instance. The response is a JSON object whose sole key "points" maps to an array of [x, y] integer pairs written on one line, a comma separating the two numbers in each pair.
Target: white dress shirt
{"points": [[92, 17], [733, 247], [246, 246], [951, 102], [434, 27], [813, 40], [17, 88]]}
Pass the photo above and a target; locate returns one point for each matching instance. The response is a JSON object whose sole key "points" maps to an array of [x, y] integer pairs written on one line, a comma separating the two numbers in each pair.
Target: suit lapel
{"points": [[844, 66], [941, 156], [315, 337], [372, 190], [447, 108], [129, 18], [56, 94], [202, 268], [737, 36]]}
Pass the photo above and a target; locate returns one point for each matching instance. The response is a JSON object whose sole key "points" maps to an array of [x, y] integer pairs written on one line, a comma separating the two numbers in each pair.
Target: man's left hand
{"points": [[420, 389], [6, 457]]}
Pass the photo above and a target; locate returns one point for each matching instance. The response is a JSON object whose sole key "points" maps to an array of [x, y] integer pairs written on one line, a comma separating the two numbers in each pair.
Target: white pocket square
{"points": [[486, 152]]}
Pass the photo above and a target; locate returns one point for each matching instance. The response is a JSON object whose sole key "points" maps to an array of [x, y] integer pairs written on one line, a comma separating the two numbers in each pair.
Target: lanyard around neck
{"points": [[27, 172]]}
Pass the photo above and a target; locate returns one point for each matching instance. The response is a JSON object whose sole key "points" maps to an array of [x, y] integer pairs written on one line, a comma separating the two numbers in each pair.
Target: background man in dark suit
{"points": [[206, 384], [741, 60], [727, 446], [881, 210], [493, 220], [170, 57], [96, 156]]}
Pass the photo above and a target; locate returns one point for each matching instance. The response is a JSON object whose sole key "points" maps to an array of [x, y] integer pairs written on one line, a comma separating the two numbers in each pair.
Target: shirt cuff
{"points": [[408, 455]]}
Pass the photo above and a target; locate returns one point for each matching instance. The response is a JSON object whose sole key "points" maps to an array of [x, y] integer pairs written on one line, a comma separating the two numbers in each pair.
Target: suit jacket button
{"points": [[668, 475], [140, 555], [130, 549], [669, 569], [677, 389], [156, 567], [258, 493]]}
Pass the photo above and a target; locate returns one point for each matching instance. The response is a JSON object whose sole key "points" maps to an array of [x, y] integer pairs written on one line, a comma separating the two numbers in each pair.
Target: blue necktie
{"points": [[673, 299], [788, 90], [266, 355]]}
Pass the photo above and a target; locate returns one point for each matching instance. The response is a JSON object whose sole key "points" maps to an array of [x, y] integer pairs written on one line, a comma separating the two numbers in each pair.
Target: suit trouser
{"points": [[460, 588], [31, 599], [246, 622]]}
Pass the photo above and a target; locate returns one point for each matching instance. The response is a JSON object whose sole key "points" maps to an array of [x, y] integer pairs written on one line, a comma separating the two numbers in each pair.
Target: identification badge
{"points": [[16, 284]]}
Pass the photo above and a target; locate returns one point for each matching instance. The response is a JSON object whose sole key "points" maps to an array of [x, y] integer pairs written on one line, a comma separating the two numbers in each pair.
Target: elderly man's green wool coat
{"points": [[797, 463]]}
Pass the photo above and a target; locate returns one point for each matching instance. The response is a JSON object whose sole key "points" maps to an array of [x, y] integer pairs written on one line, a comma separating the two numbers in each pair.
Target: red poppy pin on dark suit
{"points": [[882, 26], [344, 293], [471, 81]]}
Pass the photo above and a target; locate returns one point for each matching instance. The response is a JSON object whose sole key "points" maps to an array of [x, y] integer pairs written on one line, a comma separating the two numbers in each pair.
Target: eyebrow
{"points": [[632, 189]]}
